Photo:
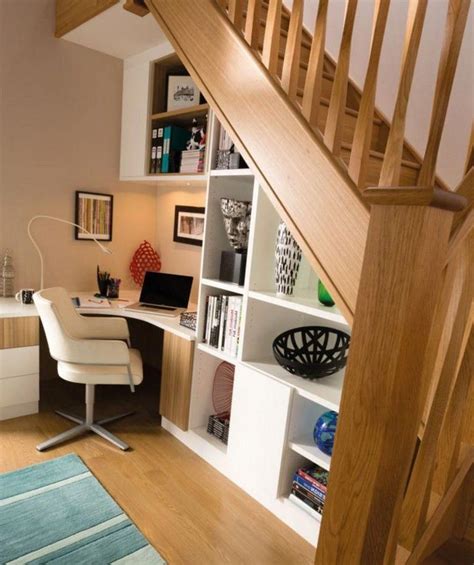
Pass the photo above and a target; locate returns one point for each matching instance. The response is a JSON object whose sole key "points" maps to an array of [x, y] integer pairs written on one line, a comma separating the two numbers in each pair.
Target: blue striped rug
{"points": [[57, 512]]}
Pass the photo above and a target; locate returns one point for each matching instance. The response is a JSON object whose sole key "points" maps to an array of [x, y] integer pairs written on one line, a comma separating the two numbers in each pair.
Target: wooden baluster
{"points": [[359, 160], [222, 4], [455, 24], [271, 41], [291, 62], [377, 427], [390, 174], [337, 104], [451, 435], [314, 74], [470, 152], [236, 13], [415, 503], [252, 23]]}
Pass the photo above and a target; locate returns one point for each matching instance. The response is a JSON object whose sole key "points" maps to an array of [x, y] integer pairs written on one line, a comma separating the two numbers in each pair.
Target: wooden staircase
{"points": [[390, 241]]}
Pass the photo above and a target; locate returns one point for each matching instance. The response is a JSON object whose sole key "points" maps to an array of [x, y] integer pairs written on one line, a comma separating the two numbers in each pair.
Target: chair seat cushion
{"points": [[103, 374]]}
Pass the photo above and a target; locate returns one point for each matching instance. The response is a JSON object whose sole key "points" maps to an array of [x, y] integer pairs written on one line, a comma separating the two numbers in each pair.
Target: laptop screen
{"points": [[166, 290]]}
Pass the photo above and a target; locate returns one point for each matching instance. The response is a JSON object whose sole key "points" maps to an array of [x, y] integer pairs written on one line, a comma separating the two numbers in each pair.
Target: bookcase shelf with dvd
{"points": [[170, 128]]}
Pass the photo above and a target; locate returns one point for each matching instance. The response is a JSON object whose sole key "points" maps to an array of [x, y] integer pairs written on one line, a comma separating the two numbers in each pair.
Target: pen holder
{"points": [[103, 285], [114, 288]]}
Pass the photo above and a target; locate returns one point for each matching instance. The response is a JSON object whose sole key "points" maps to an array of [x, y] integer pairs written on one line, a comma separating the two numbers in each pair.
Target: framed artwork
{"points": [[189, 225], [182, 92], [94, 212]]}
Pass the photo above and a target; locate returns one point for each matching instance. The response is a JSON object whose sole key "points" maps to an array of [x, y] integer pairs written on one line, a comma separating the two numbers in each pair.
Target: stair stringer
{"points": [[305, 182]]}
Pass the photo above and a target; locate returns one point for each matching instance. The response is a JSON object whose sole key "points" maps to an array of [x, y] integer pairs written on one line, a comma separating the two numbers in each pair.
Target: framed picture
{"points": [[189, 225], [182, 92], [94, 212]]}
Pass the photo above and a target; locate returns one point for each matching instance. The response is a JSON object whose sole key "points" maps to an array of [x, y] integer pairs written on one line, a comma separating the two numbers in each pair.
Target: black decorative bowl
{"points": [[312, 352]]}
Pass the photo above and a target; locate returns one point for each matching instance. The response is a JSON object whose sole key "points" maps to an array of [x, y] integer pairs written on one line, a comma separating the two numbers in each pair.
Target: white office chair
{"points": [[89, 351]]}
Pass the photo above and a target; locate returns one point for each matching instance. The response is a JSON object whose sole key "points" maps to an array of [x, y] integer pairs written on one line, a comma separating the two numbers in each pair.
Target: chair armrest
{"points": [[104, 328], [95, 352]]}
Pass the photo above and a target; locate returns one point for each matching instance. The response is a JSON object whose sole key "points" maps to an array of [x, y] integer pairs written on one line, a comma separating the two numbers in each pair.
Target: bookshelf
{"points": [[273, 412]]}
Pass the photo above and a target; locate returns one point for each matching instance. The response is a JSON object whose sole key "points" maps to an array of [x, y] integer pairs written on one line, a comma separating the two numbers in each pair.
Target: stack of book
{"points": [[309, 489], [223, 321], [167, 143], [192, 161]]}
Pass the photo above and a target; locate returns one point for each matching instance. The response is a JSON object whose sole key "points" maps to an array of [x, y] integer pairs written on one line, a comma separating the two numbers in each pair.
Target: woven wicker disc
{"points": [[223, 387]]}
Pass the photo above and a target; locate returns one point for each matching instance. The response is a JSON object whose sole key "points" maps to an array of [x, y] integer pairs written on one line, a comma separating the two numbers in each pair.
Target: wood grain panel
{"points": [[306, 184], [377, 427], [19, 332], [73, 13], [176, 379]]}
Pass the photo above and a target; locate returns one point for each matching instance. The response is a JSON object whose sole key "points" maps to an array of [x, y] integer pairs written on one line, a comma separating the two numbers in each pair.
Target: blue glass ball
{"points": [[325, 431]]}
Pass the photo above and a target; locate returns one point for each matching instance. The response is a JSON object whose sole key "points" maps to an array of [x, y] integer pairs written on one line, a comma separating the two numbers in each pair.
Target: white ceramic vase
{"points": [[287, 261]]}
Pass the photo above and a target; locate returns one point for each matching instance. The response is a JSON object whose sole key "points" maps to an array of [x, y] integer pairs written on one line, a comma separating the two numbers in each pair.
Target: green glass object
{"points": [[323, 295]]}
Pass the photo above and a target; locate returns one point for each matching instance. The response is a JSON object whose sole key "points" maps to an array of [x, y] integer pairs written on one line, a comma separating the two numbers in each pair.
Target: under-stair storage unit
{"points": [[273, 412]]}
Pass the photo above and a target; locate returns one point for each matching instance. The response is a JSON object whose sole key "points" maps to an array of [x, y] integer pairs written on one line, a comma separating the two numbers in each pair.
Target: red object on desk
{"points": [[144, 259]]}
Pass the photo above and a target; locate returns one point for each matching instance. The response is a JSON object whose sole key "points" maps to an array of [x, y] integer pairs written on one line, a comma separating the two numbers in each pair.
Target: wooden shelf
{"points": [[306, 447], [326, 392], [163, 178], [184, 114], [217, 353], [223, 285], [305, 301]]}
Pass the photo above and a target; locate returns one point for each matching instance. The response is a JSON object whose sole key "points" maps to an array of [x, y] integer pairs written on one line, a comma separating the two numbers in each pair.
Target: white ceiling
{"points": [[119, 33]]}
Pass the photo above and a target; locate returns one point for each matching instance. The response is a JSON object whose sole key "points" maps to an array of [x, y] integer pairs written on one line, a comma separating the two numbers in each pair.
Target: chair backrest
{"points": [[60, 320]]}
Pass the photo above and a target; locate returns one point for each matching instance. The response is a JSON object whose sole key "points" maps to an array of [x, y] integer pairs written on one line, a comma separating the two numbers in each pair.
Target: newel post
{"points": [[382, 396]]}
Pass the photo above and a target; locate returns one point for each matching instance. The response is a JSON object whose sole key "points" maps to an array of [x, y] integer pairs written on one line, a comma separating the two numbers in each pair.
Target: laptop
{"points": [[163, 294]]}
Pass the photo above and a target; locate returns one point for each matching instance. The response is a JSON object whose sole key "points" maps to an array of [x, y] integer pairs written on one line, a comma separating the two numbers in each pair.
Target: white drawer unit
{"points": [[19, 360]]}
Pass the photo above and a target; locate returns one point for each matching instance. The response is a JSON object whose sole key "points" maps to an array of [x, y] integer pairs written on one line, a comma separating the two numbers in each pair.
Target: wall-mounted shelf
{"points": [[223, 285], [231, 173], [183, 114]]}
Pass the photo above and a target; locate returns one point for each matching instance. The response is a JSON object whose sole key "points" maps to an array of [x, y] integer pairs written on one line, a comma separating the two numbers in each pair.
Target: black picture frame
{"points": [[88, 208], [197, 218]]}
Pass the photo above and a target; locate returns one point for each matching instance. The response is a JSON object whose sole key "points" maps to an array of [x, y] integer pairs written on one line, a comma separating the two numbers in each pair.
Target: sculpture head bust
{"points": [[237, 222]]}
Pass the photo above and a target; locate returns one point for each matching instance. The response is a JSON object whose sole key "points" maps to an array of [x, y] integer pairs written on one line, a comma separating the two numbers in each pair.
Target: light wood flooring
{"points": [[189, 512]]}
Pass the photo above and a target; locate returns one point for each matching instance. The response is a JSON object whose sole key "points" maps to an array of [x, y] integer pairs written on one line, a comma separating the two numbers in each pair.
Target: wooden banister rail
{"points": [[377, 429], [308, 187]]}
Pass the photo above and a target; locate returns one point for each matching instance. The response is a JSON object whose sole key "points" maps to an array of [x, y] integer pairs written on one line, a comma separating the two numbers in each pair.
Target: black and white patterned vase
{"points": [[287, 261]]}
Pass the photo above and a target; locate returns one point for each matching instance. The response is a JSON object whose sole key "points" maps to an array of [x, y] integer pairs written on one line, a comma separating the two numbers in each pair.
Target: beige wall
{"points": [[178, 257], [60, 119]]}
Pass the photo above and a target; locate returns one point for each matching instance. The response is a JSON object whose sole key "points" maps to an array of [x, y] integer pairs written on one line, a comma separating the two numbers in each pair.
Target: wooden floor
{"points": [[187, 510]]}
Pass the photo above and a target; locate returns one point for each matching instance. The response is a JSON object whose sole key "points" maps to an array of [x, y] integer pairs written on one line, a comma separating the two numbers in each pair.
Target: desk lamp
{"points": [[33, 241]]}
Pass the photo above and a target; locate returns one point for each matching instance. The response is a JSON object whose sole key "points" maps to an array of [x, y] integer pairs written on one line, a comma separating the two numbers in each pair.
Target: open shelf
{"points": [[326, 392], [223, 285], [210, 439], [306, 447], [305, 510], [183, 114], [305, 301], [231, 173]]}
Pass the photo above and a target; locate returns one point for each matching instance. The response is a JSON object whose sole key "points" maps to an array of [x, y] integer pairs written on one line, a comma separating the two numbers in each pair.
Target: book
{"points": [[174, 141], [306, 507], [315, 475], [314, 505], [309, 487]]}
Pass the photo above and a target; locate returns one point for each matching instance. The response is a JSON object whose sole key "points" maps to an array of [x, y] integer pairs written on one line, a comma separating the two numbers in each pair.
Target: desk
{"points": [[19, 332]]}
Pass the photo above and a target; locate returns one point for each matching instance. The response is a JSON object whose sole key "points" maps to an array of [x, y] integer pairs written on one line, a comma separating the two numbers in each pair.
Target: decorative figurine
{"points": [[236, 215], [8, 276], [325, 431]]}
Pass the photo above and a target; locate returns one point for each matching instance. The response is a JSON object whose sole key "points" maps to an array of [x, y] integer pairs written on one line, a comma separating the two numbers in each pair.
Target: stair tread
{"points": [[379, 155]]}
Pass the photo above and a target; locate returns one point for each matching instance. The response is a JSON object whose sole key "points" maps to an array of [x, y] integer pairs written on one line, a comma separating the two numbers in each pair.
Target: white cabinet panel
{"points": [[19, 390], [19, 361], [136, 90], [258, 431]]}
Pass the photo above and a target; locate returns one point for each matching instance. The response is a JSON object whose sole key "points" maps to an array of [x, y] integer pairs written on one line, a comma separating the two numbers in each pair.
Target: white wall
{"points": [[458, 126]]}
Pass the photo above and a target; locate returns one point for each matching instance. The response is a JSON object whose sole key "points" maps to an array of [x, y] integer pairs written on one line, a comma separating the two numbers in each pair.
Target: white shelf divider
{"points": [[217, 353], [223, 285], [306, 447], [231, 173], [305, 302]]}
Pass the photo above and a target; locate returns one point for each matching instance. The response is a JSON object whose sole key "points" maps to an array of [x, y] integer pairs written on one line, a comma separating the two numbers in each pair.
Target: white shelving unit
{"points": [[273, 412]]}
